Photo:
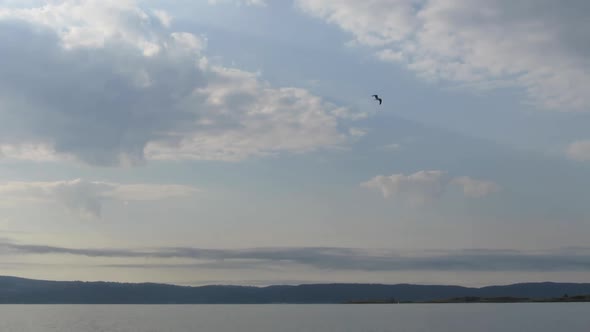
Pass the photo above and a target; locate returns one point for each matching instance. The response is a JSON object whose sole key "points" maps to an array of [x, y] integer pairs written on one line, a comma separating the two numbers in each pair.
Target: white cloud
{"points": [[418, 188], [86, 197], [246, 117], [357, 132], [426, 186], [32, 152], [475, 188], [391, 56], [539, 45], [107, 83], [164, 17], [148, 192], [579, 150], [240, 2], [95, 23]]}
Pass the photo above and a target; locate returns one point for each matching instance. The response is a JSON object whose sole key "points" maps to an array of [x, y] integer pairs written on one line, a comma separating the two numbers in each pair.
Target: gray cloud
{"points": [[107, 83], [566, 259], [13, 248], [89, 103]]}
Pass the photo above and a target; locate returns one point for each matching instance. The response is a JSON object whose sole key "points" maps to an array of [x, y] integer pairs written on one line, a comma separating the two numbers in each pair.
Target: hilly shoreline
{"points": [[473, 299], [15, 290]]}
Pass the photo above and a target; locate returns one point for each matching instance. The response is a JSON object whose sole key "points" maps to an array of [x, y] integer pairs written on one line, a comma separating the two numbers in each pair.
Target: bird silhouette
{"points": [[378, 99]]}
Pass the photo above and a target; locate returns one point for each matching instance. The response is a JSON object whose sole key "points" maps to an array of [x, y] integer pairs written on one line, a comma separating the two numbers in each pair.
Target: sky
{"points": [[237, 141]]}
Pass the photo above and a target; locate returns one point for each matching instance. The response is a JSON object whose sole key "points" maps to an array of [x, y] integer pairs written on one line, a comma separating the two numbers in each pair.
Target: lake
{"points": [[534, 317]]}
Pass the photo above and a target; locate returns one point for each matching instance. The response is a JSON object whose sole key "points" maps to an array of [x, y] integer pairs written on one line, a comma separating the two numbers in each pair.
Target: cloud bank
{"points": [[108, 83], [538, 45]]}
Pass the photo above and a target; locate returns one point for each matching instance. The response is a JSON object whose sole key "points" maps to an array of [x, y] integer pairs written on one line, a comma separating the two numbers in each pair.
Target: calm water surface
{"points": [[310, 318]]}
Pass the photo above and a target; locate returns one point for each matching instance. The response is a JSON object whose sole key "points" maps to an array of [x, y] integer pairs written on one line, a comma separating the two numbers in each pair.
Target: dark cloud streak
{"points": [[569, 259]]}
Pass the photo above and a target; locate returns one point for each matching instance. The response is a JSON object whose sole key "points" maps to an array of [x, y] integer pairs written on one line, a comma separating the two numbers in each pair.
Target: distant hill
{"points": [[18, 290]]}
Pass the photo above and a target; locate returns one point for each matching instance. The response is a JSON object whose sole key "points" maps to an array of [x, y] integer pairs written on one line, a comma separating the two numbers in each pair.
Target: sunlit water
{"points": [[308, 318]]}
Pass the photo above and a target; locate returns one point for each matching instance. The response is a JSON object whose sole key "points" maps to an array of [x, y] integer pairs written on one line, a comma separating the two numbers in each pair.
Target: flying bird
{"points": [[378, 99]]}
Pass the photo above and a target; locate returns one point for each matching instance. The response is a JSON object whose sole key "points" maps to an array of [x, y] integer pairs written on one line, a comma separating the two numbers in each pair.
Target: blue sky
{"points": [[245, 131]]}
